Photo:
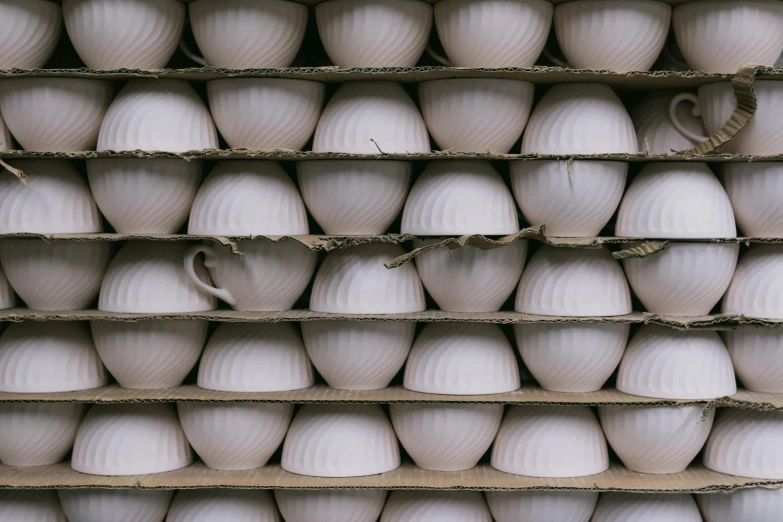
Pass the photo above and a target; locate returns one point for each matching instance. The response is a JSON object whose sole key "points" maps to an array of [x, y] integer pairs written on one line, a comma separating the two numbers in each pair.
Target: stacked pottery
{"points": [[754, 190], [655, 133], [218, 505], [119, 505], [621, 507], [563, 506], [31, 48], [330, 505], [37, 434], [752, 505], [6, 141], [31, 506], [746, 443], [435, 506]]}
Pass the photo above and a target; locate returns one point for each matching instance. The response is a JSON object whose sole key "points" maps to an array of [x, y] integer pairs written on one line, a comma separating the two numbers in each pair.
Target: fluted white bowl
{"points": [[136, 34], [6, 141], [550, 441], [746, 443], [461, 359], [130, 439], [31, 30], [573, 199], [658, 507], [571, 357], [669, 364], [757, 355], [435, 506], [149, 354], [117, 505], [255, 357], [756, 289], [370, 117], [39, 357], [755, 190], [234, 436], [654, 130], [55, 114], [31, 506], [748, 505], [573, 282], [343, 440], [7, 296], [157, 115], [37, 434], [562, 506], [219, 505], [330, 505]]}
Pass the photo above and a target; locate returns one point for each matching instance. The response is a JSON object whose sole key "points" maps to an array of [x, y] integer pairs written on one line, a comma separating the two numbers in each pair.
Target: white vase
{"points": [[330, 505], [754, 190], [654, 130], [562, 506], [118, 505], [30, 506], [139, 34], [234, 436], [31, 30], [748, 505], [55, 114], [757, 355], [144, 196], [219, 505], [757, 287], [746, 443], [37, 434], [658, 507], [435, 506]]}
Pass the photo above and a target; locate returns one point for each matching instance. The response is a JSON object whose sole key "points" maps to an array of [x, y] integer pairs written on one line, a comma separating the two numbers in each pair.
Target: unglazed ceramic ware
{"points": [[31, 30], [330, 505], [573, 282], [746, 443], [368, 117], [757, 355], [550, 441], [55, 275], [573, 199], [458, 197], [37, 434], [247, 34], [435, 506], [748, 505], [356, 355], [461, 359], [354, 280], [144, 196], [243, 198], [579, 118], [469, 279], [118, 505], [234, 436], [757, 287], [622, 507], [374, 33], [720, 36], [150, 277], [130, 439], [665, 363], [7, 296], [135, 34], [656, 439], [255, 357], [6, 141], [654, 130], [493, 33], [55, 114], [476, 114], [571, 357], [218, 505], [755, 190], [340, 440], [149, 354], [40, 357], [354, 197], [266, 113], [446, 437], [31, 506], [563, 506], [158, 115]]}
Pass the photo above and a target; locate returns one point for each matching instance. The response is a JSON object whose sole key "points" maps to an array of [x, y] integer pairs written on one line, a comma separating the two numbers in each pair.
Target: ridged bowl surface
{"points": [[435, 506], [757, 355], [222, 505], [330, 505], [6, 141], [755, 191], [757, 287], [749, 505], [7, 296], [37, 434], [30, 506], [659, 507], [31, 30], [654, 130], [117, 505], [562, 506], [746, 443]]}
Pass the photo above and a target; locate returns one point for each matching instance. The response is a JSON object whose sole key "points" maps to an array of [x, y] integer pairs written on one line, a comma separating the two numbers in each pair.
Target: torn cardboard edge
{"points": [[695, 479]]}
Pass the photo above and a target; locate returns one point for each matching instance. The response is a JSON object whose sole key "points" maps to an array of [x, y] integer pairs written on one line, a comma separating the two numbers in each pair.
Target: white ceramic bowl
{"points": [[757, 287], [458, 197], [355, 281], [157, 115], [255, 357], [340, 440], [247, 34], [130, 439], [461, 359], [356, 355], [266, 113], [37, 434], [354, 197], [30, 506], [57, 201], [7, 296], [755, 190], [55, 275], [469, 279], [149, 354], [330, 505], [658, 507], [234, 436], [757, 355], [656, 439], [562, 506], [31, 30], [136, 34], [579, 118], [144, 196], [654, 130], [476, 114], [550, 441], [363, 117], [573, 199], [436, 506], [571, 358], [446, 437], [55, 114], [573, 282], [749, 505], [665, 363], [6, 141], [219, 505], [117, 505], [746, 443], [40, 357]]}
